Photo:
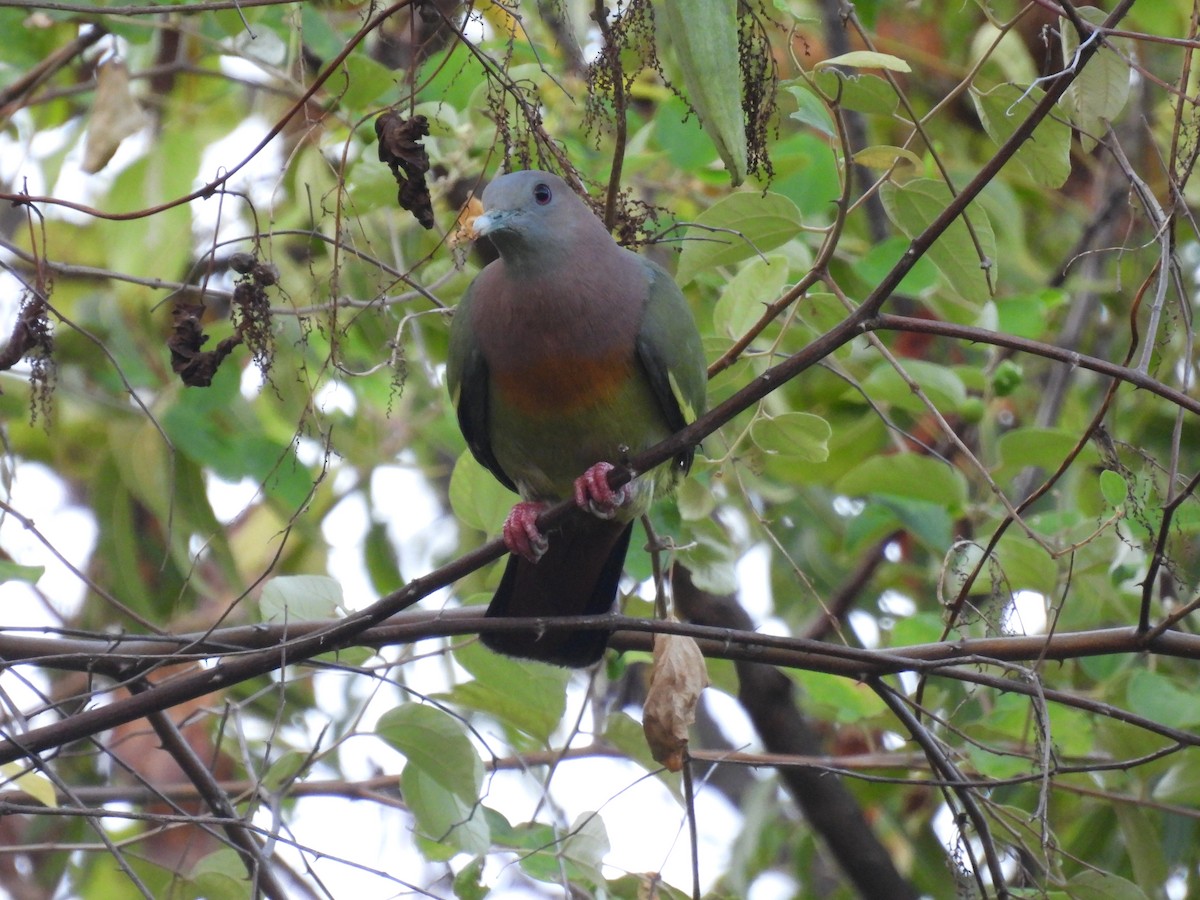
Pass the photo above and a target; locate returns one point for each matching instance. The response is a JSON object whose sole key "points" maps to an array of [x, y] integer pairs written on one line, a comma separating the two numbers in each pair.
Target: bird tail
{"points": [[577, 576]]}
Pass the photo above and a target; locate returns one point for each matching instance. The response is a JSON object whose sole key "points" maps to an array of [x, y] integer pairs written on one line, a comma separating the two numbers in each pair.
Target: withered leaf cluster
{"points": [[195, 366], [400, 148]]}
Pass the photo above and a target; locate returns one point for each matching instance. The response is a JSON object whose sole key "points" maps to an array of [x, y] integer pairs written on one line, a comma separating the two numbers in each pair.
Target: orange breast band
{"points": [[563, 385]]}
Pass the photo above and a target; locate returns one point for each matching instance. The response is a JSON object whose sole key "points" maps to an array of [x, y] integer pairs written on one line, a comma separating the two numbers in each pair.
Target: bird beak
{"points": [[482, 225]]}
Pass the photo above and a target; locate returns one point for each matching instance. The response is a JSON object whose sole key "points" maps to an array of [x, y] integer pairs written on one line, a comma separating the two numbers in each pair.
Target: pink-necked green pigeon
{"points": [[568, 354]]}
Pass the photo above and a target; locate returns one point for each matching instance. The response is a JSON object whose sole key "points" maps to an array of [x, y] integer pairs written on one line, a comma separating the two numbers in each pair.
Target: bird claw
{"points": [[592, 492], [521, 534]]}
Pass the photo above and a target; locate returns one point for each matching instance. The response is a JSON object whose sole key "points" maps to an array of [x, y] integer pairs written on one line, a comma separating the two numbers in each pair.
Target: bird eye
{"points": [[541, 193]]}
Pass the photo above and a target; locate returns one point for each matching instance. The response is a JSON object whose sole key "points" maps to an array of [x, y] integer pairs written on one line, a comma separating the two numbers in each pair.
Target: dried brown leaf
{"points": [[464, 229], [677, 678], [115, 116], [400, 148]]}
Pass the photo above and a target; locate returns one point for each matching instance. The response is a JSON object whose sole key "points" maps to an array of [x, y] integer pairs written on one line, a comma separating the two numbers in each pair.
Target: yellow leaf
{"points": [[884, 157], [866, 59], [32, 782]]}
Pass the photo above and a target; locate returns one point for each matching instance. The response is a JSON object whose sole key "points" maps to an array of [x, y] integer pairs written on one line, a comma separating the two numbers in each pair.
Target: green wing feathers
{"points": [[671, 355]]}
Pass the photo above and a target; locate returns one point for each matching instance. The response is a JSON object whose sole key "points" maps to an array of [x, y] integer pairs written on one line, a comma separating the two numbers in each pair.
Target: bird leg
{"points": [[521, 534], [592, 492]]}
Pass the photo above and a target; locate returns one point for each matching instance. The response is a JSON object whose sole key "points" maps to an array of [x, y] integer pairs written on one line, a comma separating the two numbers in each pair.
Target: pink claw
{"points": [[593, 493], [521, 535]]}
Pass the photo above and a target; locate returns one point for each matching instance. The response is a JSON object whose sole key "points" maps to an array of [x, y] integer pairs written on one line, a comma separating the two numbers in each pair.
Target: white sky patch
{"points": [[20, 154], [420, 529], [345, 530], [1028, 615], [39, 494], [226, 216], [754, 582], [254, 45], [309, 452], [773, 885], [229, 499], [11, 292], [865, 627], [334, 396], [618, 790], [734, 722], [893, 603], [252, 382], [373, 841], [845, 506]]}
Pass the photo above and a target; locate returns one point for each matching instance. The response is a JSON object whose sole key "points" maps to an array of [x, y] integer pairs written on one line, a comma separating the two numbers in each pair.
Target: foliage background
{"points": [[967, 530]]}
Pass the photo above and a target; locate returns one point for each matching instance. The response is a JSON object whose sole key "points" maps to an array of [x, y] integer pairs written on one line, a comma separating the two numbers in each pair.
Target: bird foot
{"points": [[521, 534], [593, 493]]}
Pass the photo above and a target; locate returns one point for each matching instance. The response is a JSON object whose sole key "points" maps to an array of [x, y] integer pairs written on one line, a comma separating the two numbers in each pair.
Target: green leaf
{"points": [[711, 560], [881, 258], [300, 598], [528, 697], [1028, 315], [444, 816], [821, 311], [1114, 487], [1157, 697], [1071, 730], [920, 628], [735, 228], [811, 109], [468, 883], [1180, 785], [477, 498], [1043, 447], [867, 94], [681, 136], [1093, 885], [284, 770], [381, 559], [437, 743], [694, 500], [866, 59], [1100, 91], [579, 853], [1142, 837], [840, 699], [1006, 50], [915, 204], [744, 299], [907, 475], [929, 523], [366, 81], [1026, 566], [587, 844], [1008, 718], [997, 765], [11, 571], [941, 386], [624, 733], [220, 876], [704, 35], [317, 33], [1046, 154], [803, 436], [217, 430]]}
